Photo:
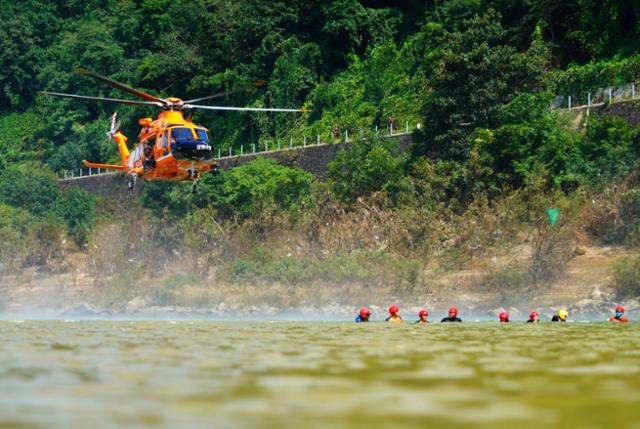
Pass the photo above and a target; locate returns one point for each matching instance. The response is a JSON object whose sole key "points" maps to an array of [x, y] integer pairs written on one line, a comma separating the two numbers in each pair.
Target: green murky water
{"points": [[317, 375]]}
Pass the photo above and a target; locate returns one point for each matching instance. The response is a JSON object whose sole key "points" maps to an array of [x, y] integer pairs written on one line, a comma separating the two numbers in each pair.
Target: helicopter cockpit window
{"points": [[202, 135], [182, 135], [165, 139]]}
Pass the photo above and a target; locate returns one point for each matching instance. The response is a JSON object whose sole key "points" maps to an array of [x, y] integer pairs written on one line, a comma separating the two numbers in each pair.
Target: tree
{"points": [[476, 75], [368, 166]]}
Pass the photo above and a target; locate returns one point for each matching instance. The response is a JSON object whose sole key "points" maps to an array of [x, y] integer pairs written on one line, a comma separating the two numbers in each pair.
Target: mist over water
{"points": [[249, 374]]}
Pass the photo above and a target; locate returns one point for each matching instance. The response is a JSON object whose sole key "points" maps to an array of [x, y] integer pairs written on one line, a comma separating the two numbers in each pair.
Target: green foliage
{"points": [[258, 187], [477, 73], [610, 149], [577, 80], [368, 166], [14, 227], [30, 189], [626, 278], [77, 207]]}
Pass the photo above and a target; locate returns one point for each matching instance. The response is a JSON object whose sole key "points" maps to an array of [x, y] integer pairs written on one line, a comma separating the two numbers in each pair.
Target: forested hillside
{"points": [[479, 75]]}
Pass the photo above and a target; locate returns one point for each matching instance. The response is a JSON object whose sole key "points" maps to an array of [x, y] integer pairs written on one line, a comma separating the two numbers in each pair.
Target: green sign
{"points": [[553, 215]]}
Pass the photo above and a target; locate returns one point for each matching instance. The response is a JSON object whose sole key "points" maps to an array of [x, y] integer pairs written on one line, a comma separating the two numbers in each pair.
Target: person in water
{"points": [[534, 317], [422, 316], [562, 316], [394, 317], [619, 317], [453, 316], [504, 317], [363, 315]]}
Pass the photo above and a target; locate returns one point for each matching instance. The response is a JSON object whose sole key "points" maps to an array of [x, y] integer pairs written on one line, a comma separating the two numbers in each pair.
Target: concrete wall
{"points": [[313, 158], [629, 110]]}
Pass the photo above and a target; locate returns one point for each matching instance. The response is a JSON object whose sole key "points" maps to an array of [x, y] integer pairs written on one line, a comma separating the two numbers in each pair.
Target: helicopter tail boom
{"points": [[107, 166], [124, 150]]}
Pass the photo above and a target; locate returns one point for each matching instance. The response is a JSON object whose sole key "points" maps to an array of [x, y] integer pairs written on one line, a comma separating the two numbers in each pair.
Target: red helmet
{"points": [[453, 311], [619, 309], [422, 313], [393, 309], [534, 315], [364, 312], [504, 316]]}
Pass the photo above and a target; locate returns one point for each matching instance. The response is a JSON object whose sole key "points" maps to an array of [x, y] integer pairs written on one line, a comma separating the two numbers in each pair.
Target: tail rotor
{"points": [[115, 126]]}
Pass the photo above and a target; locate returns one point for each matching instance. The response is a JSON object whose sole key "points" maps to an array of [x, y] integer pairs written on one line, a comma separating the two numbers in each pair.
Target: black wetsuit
{"points": [[533, 320], [451, 319], [557, 318]]}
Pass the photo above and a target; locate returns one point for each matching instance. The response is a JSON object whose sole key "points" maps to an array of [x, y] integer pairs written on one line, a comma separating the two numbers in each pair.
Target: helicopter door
{"points": [[162, 145], [135, 159]]}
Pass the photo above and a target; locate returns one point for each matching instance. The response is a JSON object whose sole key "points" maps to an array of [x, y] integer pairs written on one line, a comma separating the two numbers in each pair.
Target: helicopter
{"points": [[171, 147]]}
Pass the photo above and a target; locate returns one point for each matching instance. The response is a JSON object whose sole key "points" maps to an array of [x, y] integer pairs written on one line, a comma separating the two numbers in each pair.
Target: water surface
{"points": [[317, 375]]}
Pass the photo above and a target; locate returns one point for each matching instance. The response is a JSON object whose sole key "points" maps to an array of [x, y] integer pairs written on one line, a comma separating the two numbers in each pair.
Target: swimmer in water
{"points": [[562, 316], [422, 315], [363, 315], [453, 316], [619, 317], [394, 317], [534, 317]]}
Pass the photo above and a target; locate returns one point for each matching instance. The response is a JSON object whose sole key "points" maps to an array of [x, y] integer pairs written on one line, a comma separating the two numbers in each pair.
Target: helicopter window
{"points": [[182, 135], [165, 139], [202, 135]]}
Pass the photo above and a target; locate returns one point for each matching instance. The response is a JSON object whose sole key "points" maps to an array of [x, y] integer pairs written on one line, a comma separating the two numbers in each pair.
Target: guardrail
{"points": [[600, 97]]}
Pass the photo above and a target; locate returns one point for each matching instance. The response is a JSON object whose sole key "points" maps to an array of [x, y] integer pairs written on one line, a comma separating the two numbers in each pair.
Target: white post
{"points": [[317, 139], [80, 171], [290, 142], [391, 128], [229, 150], [589, 99], [304, 141], [90, 171], [346, 136], [253, 147], [219, 153], [406, 127], [610, 93], [569, 102], [376, 129], [266, 147], [633, 91], [241, 150]]}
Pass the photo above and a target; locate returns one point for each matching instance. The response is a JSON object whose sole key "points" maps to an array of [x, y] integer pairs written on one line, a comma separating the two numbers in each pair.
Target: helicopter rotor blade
{"points": [[244, 109], [120, 86], [103, 99], [256, 84]]}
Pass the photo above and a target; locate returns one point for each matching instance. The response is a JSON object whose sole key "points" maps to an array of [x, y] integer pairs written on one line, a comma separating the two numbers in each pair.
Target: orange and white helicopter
{"points": [[171, 147]]}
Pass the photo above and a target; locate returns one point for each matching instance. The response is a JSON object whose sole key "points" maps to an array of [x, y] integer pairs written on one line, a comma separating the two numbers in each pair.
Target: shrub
{"points": [[77, 207], [626, 278], [511, 284], [369, 165], [257, 188], [167, 292], [28, 188]]}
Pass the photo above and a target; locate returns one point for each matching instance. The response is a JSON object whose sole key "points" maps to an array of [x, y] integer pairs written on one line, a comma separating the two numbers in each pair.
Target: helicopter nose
{"points": [[192, 150]]}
